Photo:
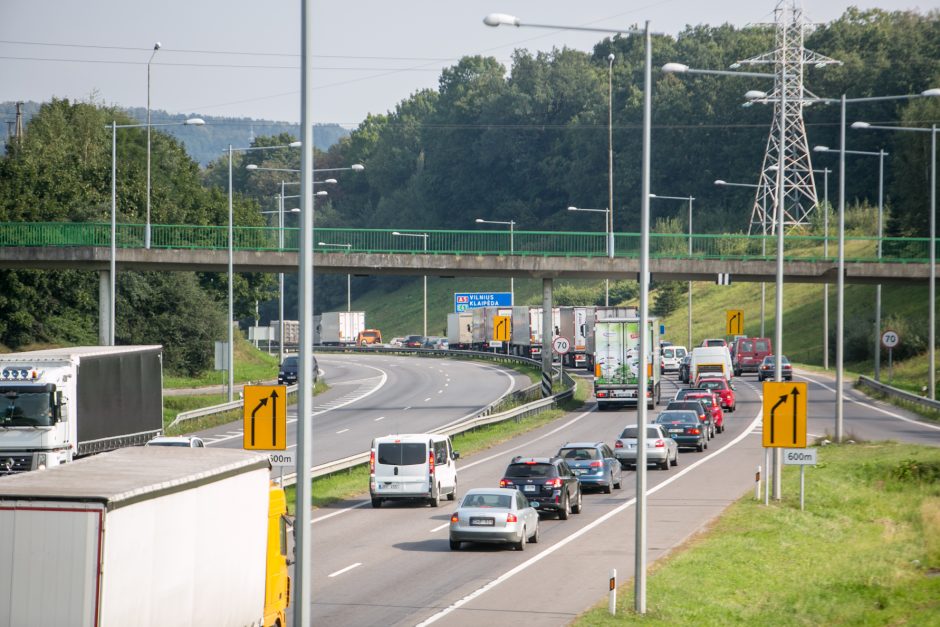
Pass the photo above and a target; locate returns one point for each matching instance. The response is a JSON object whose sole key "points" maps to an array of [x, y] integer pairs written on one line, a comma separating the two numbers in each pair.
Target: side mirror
{"points": [[455, 455]]}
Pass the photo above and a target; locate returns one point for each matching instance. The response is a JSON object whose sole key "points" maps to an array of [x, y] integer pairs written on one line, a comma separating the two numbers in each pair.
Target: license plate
{"points": [[528, 488], [679, 431], [579, 471], [482, 522], [534, 504], [390, 486], [631, 445]]}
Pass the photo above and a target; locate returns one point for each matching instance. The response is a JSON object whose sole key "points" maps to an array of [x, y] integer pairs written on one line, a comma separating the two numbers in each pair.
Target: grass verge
{"points": [[865, 551], [920, 410], [355, 482], [251, 364]]}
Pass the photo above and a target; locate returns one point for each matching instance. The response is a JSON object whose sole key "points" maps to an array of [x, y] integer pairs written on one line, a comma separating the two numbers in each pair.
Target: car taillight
{"points": [[554, 483], [454, 518], [503, 483], [596, 464], [372, 463], [660, 444], [431, 462], [619, 444], [694, 431], [601, 394], [511, 518]]}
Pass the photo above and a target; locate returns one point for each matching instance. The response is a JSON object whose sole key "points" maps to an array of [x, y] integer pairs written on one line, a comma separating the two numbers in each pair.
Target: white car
{"points": [[670, 357], [413, 466], [186, 441]]}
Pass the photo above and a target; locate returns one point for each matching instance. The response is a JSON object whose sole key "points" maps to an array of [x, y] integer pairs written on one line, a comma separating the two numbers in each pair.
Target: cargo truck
{"points": [[617, 362], [145, 536], [482, 328], [460, 330], [602, 313], [527, 330], [340, 328], [574, 326], [62, 403]]}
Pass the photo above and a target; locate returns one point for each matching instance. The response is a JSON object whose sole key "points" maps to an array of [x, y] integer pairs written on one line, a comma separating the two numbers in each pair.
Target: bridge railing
{"points": [[468, 242]]}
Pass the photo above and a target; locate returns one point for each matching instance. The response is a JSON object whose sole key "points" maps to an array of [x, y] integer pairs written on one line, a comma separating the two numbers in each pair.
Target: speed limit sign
{"points": [[561, 345], [890, 339]]}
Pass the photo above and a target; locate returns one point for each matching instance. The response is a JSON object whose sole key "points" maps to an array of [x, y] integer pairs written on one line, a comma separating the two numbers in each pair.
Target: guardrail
{"points": [[893, 392], [210, 410]]}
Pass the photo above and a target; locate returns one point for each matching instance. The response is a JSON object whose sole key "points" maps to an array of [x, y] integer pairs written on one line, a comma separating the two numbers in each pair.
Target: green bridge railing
{"points": [[440, 242]]}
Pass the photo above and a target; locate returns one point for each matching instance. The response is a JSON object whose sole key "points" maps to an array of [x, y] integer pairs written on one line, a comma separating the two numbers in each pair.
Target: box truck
{"points": [[482, 328], [340, 328], [145, 536], [62, 403], [617, 362], [460, 330], [574, 326], [602, 313], [527, 331]]}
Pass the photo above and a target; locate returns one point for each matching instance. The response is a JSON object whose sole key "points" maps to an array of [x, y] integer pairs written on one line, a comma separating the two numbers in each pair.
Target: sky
{"points": [[236, 58]]}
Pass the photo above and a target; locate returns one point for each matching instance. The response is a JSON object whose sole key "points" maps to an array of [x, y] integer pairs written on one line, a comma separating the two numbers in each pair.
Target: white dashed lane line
{"points": [[345, 570], [342, 431]]}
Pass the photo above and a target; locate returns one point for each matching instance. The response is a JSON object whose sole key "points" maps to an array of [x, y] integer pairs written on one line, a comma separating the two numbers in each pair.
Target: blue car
{"points": [[594, 464]]}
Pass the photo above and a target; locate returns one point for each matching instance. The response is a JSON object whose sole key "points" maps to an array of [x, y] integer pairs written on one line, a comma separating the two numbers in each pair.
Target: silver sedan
{"points": [[494, 515], [661, 449]]}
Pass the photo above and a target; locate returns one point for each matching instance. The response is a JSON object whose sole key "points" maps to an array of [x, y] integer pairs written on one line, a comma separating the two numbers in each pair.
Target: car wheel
{"points": [[376, 503], [608, 488], [435, 499], [520, 545], [675, 460], [535, 536], [454, 545], [453, 493], [700, 447], [565, 511], [576, 508], [706, 444], [664, 465]]}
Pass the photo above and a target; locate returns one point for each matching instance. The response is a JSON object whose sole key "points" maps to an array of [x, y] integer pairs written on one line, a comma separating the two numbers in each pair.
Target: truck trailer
{"points": [[145, 536], [340, 328], [63, 403], [460, 330], [617, 362], [574, 326], [483, 328]]}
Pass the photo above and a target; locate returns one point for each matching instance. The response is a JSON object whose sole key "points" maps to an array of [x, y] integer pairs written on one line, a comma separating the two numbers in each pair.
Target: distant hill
{"points": [[206, 145]]}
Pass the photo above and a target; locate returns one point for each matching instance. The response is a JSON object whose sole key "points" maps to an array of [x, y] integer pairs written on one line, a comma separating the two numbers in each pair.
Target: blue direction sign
{"points": [[472, 300]]}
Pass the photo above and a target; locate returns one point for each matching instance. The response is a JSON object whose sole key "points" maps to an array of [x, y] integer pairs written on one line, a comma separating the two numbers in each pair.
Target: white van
{"points": [[710, 360], [412, 466]]}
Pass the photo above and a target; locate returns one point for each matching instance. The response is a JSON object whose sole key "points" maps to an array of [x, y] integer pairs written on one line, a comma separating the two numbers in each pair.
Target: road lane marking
{"points": [[345, 570], [407, 408], [580, 532], [342, 431], [436, 529], [380, 418], [872, 406], [427, 399]]}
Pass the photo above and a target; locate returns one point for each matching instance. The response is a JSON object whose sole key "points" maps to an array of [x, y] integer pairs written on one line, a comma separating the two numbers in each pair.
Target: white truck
{"points": [[340, 328], [483, 329], [713, 360], [460, 330], [617, 362], [62, 403], [574, 326], [145, 536], [526, 340]]}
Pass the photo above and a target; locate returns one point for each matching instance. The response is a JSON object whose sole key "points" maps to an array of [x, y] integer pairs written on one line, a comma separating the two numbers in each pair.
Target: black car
{"points": [[767, 368], [548, 483], [704, 415], [683, 427], [287, 373], [684, 368]]}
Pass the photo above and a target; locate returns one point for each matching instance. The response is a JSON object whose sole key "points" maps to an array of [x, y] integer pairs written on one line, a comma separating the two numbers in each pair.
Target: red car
{"points": [[721, 387], [713, 404]]}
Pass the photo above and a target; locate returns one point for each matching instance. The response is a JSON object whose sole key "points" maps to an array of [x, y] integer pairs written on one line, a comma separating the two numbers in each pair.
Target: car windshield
{"points": [[669, 417], [761, 346], [631, 432], [712, 384], [579, 453], [680, 352], [533, 470], [669, 353], [503, 501], [289, 362], [402, 453], [170, 443], [707, 401], [25, 408], [690, 405]]}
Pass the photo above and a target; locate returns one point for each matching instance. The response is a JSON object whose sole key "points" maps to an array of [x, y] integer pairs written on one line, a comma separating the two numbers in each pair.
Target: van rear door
{"points": [[401, 468]]}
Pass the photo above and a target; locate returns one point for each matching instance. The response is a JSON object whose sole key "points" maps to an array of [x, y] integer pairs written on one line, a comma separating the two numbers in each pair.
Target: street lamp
{"points": [[825, 172], [113, 263], [881, 182], [610, 163], [608, 241], [156, 47], [931, 341], [690, 199], [356, 167], [231, 261], [512, 250], [424, 236], [498, 19], [348, 275]]}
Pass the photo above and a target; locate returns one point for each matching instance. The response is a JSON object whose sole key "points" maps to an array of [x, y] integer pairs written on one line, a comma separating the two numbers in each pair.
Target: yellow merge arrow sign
{"points": [[501, 328], [784, 414], [265, 416], [735, 322]]}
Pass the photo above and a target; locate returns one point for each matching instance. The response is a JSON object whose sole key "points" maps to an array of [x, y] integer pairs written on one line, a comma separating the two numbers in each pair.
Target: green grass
{"points": [[251, 364], [865, 552], [355, 482]]}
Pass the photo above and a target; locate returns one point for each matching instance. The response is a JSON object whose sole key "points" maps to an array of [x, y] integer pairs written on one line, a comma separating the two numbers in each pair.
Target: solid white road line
{"points": [[342, 431], [580, 532], [872, 406], [345, 570], [380, 418]]}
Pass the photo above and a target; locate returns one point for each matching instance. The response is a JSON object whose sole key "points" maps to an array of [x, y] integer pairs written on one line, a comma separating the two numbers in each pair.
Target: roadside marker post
{"points": [[800, 457], [612, 592], [757, 485]]}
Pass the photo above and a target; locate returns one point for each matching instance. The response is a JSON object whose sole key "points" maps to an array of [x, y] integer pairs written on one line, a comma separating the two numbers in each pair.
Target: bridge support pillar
{"points": [[104, 307], [547, 335]]}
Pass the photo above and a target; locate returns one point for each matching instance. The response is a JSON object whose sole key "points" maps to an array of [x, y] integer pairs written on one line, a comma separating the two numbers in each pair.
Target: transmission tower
{"points": [[788, 59]]}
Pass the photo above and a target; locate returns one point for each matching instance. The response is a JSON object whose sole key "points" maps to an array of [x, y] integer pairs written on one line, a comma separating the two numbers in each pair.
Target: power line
{"points": [[222, 65]]}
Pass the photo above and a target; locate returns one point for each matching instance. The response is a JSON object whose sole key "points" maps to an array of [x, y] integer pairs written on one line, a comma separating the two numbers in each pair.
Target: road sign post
{"points": [[560, 346], [265, 417], [734, 322], [800, 457]]}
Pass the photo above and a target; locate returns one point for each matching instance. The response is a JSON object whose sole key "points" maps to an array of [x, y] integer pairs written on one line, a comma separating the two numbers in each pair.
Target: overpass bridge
{"points": [[449, 253]]}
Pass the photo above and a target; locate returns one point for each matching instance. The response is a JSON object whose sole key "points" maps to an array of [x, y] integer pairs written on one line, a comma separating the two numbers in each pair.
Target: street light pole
{"points": [[689, 199], [156, 47], [348, 247], [425, 236], [512, 250], [610, 171]]}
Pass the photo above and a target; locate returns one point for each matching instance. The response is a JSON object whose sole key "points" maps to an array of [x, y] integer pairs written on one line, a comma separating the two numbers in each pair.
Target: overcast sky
{"points": [[241, 58]]}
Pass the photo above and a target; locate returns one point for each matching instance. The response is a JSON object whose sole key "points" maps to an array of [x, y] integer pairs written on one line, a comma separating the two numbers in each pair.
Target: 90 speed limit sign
{"points": [[890, 339]]}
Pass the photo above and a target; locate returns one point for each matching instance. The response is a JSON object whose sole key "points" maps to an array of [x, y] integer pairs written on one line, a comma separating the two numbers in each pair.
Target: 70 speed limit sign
{"points": [[561, 345], [890, 339]]}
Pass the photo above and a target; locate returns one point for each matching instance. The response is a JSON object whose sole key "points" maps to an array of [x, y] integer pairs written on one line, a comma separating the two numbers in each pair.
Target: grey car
{"points": [[661, 449], [494, 515], [594, 463]]}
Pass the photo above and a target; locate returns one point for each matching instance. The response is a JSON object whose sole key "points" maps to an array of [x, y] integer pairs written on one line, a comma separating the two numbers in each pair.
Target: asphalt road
{"points": [[373, 395], [393, 566]]}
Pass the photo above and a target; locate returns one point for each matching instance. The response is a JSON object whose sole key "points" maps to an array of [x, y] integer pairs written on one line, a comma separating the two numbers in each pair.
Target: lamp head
{"points": [[755, 94], [295, 144], [321, 243], [357, 167], [321, 193], [720, 182], [330, 181], [157, 46], [820, 148], [195, 122], [480, 220], [395, 233], [931, 93], [860, 124], [501, 19], [611, 57], [675, 68], [251, 166]]}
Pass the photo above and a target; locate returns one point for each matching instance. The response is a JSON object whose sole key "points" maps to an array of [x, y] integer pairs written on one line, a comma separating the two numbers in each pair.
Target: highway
{"points": [[393, 565]]}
